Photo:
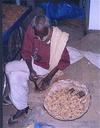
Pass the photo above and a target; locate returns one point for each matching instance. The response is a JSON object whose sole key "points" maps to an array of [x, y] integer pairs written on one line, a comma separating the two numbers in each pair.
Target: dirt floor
{"points": [[82, 71]]}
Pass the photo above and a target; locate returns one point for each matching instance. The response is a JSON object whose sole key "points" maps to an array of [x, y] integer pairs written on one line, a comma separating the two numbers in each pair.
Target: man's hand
{"points": [[33, 76], [44, 83]]}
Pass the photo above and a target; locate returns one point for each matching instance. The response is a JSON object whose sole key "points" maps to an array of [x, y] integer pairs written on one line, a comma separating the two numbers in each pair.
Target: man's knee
{"points": [[8, 67]]}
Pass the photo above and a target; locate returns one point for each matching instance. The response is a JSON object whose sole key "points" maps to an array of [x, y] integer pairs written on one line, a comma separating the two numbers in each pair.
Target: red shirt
{"points": [[40, 51]]}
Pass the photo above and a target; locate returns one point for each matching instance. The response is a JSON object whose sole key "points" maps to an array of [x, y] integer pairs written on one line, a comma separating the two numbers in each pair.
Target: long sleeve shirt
{"points": [[40, 50]]}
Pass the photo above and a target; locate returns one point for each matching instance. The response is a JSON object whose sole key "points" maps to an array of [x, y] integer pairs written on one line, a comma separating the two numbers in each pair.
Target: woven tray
{"points": [[67, 100]]}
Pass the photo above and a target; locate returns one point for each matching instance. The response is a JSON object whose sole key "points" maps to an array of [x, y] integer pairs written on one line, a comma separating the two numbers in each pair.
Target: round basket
{"points": [[67, 100]]}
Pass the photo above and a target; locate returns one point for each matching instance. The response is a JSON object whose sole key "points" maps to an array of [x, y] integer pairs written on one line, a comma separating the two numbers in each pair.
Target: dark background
{"points": [[1, 68], [24, 2]]}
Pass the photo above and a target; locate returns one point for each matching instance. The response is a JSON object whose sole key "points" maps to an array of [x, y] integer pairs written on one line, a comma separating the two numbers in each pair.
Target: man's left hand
{"points": [[44, 83]]}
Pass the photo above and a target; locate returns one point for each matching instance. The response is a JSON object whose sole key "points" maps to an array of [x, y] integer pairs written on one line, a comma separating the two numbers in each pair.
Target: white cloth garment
{"points": [[58, 42], [76, 55], [18, 75]]}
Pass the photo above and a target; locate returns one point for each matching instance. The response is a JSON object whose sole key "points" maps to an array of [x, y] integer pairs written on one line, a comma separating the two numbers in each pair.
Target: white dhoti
{"points": [[18, 76]]}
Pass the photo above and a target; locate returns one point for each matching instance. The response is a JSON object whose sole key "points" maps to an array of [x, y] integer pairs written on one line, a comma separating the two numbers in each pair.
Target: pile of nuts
{"points": [[66, 102]]}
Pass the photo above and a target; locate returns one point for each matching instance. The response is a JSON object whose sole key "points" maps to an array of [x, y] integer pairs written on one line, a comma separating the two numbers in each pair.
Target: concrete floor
{"points": [[83, 71]]}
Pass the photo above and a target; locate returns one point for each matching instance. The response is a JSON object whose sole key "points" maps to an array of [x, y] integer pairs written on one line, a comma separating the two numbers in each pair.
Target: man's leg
{"points": [[17, 73], [16, 66], [19, 89], [19, 93]]}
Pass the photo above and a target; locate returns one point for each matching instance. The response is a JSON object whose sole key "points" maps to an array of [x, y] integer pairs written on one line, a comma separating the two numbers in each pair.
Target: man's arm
{"points": [[63, 63], [33, 74], [29, 64], [27, 51], [51, 74]]}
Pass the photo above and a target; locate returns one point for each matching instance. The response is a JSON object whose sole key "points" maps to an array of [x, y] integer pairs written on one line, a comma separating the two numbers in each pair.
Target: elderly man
{"points": [[44, 53]]}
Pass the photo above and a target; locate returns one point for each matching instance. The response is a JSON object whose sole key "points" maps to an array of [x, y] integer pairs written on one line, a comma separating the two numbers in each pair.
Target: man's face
{"points": [[40, 29], [41, 32]]}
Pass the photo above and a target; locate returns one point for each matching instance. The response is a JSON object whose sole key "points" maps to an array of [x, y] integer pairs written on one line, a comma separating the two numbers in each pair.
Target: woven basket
{"points": [[67, 100]]}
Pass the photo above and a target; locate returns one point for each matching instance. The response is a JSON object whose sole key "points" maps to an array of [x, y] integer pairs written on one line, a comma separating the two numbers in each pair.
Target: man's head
{"points": [[41, 26]]}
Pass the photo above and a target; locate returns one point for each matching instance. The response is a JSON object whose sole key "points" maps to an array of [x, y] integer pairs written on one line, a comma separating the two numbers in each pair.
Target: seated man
{"points": [[44, 53]]}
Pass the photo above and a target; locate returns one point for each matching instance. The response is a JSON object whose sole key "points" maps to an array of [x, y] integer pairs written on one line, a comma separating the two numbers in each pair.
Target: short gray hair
{"points": [[39, 25]]}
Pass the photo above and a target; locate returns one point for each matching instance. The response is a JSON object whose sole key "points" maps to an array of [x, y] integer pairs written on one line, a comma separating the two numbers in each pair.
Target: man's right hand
{"points": [[33, 76]]}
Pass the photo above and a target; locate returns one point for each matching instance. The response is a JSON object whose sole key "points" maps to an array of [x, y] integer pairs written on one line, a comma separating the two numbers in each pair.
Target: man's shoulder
{"points": [[30, 30]]}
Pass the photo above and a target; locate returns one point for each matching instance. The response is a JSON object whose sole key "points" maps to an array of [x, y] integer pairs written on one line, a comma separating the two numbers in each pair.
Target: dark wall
{"points": [[23, 2], [56, 1], [9, 1]]}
